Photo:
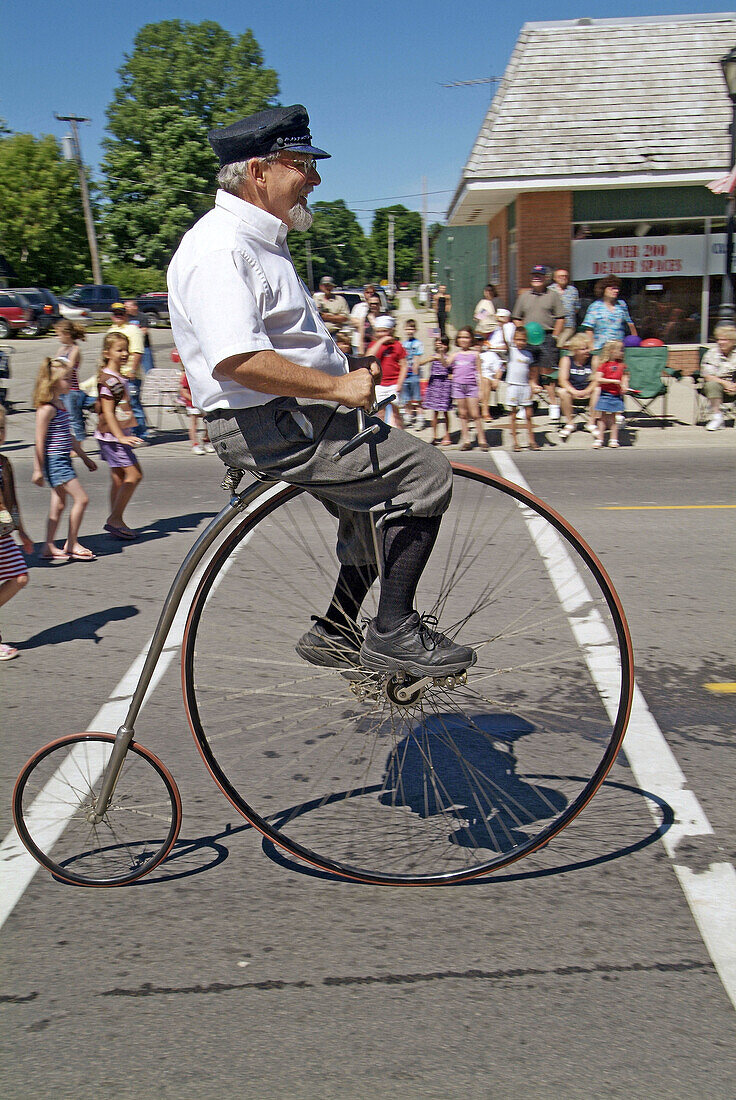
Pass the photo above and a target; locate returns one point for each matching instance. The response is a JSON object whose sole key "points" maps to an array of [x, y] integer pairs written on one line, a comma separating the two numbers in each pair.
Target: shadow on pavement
{"points": [[83, 628]]}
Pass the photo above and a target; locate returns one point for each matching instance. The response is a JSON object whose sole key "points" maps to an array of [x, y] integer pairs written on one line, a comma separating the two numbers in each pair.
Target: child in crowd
{"points": [[613, 378], [114, 432], [391, 355], [465, 367], [185, 396], [53, 460], [411, 391], [344, 341], [438, 394], [76, 400], [493, 359], [521, 385], [13, 571]]}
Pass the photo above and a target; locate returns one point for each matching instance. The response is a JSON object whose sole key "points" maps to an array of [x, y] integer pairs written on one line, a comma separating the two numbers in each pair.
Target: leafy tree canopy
{"points": [[42, 231], [338, 245], [180, 80], [407, 242]]}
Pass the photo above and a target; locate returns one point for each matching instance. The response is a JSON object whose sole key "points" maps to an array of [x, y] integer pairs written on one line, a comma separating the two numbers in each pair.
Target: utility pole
{"points": [[425, 234], [391, 219], [89, 222], [310, 273]]}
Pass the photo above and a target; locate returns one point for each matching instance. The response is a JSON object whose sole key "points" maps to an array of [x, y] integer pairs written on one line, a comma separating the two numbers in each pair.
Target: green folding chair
{"points": [[648, 378]]}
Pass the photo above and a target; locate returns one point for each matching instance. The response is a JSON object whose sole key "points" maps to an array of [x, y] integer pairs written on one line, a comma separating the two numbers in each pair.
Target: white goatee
{"points": [[300, 218]]}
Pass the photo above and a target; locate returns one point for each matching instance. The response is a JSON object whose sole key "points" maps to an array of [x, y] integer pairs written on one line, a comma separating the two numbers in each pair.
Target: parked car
{"points": [[47, 308], [155, 307], [96, 298], [74, 313], [16, 313]]}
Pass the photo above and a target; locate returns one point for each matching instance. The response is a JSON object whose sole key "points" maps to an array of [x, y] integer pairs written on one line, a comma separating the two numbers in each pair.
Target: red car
{"points": [[16, 313]]}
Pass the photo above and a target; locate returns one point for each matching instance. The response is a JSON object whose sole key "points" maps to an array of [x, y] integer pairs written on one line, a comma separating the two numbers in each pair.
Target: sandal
{"points": [[7, 652], [54, 557], [86, 556], [120, 532]]}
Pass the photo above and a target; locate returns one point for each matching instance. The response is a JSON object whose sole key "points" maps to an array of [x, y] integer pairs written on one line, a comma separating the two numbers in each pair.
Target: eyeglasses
{"points": [[302, 164]]}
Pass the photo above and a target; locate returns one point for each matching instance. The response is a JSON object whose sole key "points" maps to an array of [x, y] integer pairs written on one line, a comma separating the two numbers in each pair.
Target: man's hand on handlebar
{"points": [[366, 362], [356, 389]]}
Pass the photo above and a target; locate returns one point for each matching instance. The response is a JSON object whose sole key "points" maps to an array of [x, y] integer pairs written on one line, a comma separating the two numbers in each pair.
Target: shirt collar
{"points": [[267, 226]]}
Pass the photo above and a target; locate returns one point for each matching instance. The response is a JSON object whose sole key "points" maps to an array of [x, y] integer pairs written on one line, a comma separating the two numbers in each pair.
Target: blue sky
{"points": [[370, 75]]}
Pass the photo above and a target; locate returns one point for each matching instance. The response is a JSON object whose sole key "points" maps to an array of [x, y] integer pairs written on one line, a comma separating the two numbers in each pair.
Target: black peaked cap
{"points": [[277, 129]]}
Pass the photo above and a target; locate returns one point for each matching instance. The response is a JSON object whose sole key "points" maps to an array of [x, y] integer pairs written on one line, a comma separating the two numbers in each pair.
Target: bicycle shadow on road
{"points": [[84, 628]]}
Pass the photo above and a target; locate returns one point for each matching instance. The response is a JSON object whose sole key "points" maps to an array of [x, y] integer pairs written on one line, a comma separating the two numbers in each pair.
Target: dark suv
{"points": [[16, 313], [46, 306]]}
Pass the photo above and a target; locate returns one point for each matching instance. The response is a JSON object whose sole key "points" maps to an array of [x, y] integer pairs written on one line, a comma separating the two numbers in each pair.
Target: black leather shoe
{"points": [[329, 646], [415, 648]]}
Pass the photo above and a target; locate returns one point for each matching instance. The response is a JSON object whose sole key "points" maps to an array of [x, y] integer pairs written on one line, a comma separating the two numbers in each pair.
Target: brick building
{"points": [[594, 155]]}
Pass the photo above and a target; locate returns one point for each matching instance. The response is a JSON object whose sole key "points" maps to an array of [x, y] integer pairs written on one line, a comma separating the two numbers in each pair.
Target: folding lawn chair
{"points": [[648, 378]]}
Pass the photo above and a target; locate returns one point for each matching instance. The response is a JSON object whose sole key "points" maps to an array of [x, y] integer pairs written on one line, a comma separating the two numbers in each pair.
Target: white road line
{"points": [[17, 865], [711, 894]]}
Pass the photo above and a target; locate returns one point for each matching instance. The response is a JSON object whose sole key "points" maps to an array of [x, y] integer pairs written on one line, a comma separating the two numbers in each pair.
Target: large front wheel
{"points": [[348, 771]]}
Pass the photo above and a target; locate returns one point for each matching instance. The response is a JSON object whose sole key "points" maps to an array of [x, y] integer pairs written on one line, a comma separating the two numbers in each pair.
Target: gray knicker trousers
{"points": [[295, 440]]}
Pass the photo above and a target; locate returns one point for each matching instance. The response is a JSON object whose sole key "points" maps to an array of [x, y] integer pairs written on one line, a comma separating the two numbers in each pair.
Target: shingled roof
{"points": [[603, 102]]}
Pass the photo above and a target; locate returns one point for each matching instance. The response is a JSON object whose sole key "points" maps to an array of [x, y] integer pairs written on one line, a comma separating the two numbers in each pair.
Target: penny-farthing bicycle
{"points": [[375, 778]]}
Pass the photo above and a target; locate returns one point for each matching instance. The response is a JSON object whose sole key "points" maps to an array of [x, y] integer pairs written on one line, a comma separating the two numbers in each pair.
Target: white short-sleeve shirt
{"points": [[233, 289]]}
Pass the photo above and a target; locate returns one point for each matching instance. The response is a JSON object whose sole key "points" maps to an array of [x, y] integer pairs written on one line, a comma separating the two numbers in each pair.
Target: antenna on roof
{"points": [[464, 83]]}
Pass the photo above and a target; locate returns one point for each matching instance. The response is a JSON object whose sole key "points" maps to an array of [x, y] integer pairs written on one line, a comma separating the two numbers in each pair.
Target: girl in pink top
{"points": [[465, 367]]}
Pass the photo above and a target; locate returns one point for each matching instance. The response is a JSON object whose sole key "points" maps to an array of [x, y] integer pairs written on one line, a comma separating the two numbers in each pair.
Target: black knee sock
{"points": [[351, 589], [407, 545]]}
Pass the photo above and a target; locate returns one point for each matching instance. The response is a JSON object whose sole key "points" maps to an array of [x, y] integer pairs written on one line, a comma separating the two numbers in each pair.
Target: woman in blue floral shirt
{"points": [[608, 318]]}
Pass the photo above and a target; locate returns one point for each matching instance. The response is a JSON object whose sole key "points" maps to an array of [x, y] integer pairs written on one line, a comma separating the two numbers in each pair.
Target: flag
{"points": [[724, 185]]}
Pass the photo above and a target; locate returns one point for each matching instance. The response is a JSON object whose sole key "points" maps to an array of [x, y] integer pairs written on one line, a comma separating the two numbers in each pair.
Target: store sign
{"points": [[649, 257]]}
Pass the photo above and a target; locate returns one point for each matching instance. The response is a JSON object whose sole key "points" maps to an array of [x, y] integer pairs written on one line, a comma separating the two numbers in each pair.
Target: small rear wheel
{"points": [[54, 811]]}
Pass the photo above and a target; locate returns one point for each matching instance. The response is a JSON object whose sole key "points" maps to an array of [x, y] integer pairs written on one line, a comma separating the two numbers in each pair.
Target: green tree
{"points": [[338, 244], [42, 232], [180, 80], [407, 243]]}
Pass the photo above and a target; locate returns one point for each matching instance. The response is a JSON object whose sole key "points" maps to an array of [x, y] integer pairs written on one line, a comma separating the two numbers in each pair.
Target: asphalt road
{"points": [[580, 972]]}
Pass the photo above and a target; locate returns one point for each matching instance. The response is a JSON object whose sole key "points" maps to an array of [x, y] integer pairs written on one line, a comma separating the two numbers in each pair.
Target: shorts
{"points": [[116, 454], [411, 390], [59, 468], [610, 403], [547, 358], [389, 413], [518, 393], [464, 389], [12, 562]]}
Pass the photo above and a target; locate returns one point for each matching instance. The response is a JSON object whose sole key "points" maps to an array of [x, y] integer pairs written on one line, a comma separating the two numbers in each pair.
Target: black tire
{"points": [[4, 329], [151, 319], [31, 330], [53, 797], [468, 779]]}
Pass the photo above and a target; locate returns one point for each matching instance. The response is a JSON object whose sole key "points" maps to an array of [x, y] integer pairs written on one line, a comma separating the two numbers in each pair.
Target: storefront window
{"points": [[667, 271]]}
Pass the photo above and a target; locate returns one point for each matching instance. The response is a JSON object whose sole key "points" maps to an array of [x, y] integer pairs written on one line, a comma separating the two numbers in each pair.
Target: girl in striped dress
{"points": [[54, 444], [13, 571]]}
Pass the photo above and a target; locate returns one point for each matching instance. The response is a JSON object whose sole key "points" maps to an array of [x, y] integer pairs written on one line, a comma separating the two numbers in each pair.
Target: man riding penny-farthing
{"points": [[377, 743]]}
